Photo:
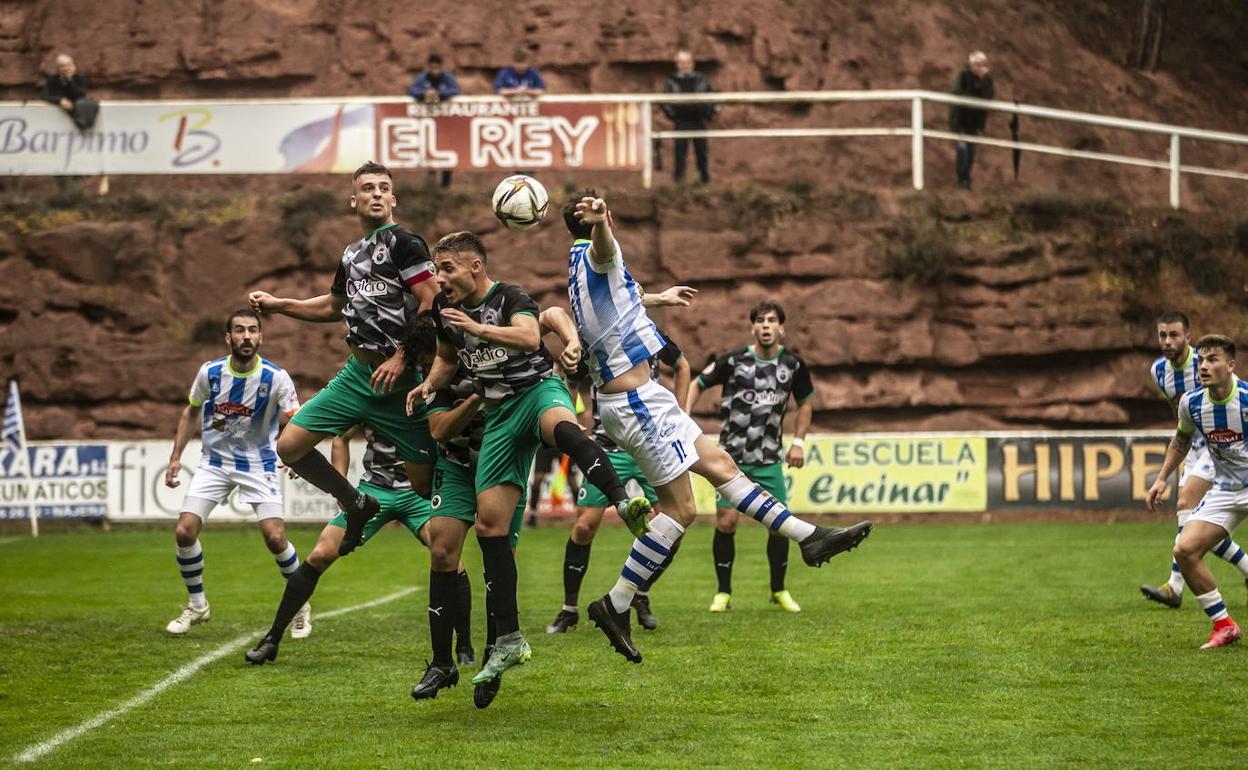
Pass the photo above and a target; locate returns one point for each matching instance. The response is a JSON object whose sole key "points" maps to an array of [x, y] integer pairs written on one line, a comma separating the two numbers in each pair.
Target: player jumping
{"points": [[646, 420]]}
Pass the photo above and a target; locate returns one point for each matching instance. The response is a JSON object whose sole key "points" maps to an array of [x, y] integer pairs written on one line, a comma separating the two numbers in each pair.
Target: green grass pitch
{"points": [[931, 646]]}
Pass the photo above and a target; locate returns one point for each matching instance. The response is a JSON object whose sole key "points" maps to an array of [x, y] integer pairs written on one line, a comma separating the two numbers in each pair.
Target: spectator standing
{"points": [[689, 117], [519, 79], [68, 90], [973, 81], [435, 85]]}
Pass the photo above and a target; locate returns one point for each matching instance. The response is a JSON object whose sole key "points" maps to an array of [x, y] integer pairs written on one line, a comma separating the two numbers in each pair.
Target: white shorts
{"points": [[649, 424], [1199, 464], [211, 486], [1226, 509]]}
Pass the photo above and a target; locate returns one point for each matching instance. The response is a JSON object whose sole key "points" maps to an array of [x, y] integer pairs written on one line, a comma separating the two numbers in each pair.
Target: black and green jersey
{"points": [[462, 449], [375, 275], [755, 396], [498, 371], [382, 466]]}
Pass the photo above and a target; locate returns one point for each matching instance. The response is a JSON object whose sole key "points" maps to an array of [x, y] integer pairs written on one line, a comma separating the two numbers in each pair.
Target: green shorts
{"points": [[349, 400], [626, 468], [513, 434], [401, 505], [770, 477], [455, 495]]}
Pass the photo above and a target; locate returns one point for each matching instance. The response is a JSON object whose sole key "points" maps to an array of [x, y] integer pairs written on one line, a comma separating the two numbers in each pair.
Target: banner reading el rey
{"points": [[883, 474], [510, 135]]}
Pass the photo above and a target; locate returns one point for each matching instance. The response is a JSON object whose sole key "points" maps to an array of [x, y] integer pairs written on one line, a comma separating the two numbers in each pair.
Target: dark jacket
{"points": [[689, 115], [57, 88], [968, 120]]}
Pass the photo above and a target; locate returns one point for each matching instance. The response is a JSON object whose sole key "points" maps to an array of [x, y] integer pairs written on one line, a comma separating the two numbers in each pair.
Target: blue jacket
{"points": [[509, 78], [447, 86]]}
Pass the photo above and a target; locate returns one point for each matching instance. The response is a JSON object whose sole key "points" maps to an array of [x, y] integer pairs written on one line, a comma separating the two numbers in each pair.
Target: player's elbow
{"points": [[439, 430]]}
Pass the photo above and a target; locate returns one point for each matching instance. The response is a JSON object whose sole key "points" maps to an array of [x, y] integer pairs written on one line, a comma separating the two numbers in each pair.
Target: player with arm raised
{"points": [[244, 399], [646, 420], [491, 329], [383, 280], [1218, 411], [757, 382], [1176, 372]]}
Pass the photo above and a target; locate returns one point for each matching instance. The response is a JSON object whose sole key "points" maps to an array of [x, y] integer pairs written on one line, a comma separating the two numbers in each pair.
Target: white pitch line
{"points": [[183, 673]]}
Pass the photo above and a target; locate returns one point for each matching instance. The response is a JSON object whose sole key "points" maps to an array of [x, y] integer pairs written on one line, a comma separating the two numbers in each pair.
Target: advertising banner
{"points": [[61, 481], [884, 474], [1070, 471], [291, 137]]}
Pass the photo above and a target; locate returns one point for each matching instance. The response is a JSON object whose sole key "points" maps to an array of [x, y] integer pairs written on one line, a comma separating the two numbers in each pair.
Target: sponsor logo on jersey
{"points": [[483, 356], [1223, 436], [782, 374], [263, 390], [490, 316], [667, 430], [232, 409], [380, 254], [762, 397], [369, 287]]}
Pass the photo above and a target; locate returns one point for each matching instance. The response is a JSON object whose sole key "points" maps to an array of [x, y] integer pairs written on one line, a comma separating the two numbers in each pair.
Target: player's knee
{"points": [[583, 532], [727, 526], [322, 556], [275, 541], [185, 534], [443, 557], [1186, 551]]}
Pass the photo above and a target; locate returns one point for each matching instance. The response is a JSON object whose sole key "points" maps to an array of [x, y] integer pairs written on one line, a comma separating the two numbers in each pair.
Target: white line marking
{"points": [[183, 673], [4, 540]]}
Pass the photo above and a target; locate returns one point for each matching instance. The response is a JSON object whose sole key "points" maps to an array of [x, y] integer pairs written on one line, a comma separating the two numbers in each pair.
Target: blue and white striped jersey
{"points": [[1174, 382], [1222, 425], [612, 321], [240, 413]]}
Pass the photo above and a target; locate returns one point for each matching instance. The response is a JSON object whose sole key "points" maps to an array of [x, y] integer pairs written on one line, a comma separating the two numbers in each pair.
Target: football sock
{"points": [[591, 459], [777, 560], [463, 611], [500, 583], [442, 602], [1177, 583], [649, 553], [724, 549], [1231, 552], [755, 502], [1213, 605], [575, 562], [658, 573], [287, 560], [191, 564], [299, 588], [491, 628], [315, 469]]}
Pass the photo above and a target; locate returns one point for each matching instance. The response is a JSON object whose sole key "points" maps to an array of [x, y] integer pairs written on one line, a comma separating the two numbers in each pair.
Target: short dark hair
{"points": [[421, 340], [434, 58], [575, 226], [1218, 341], [462, 241], [242, 312], [371, 167], [1174, 317], [765, 307]]}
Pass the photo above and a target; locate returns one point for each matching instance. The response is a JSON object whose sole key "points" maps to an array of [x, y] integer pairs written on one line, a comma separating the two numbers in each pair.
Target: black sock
{"points": [[658, 573], [575, 562], [500, 581], [590, 458], [778, 560], [299, 588], [463, 612], [442, 601], [724, 549], [315, 469], [491, 631]]}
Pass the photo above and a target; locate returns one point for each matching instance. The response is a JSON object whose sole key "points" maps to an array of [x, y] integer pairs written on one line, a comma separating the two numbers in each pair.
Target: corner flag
{"points": [[13, 439]]}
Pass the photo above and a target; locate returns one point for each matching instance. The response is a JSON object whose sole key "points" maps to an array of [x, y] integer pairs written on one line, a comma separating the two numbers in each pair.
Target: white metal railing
{"points": [[919, 133]]}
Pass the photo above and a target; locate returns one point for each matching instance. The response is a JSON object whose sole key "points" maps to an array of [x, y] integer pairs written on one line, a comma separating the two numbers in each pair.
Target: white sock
{"points": [[1213, 605], [287, 560], [1229, 550], [754, 501], [191, 565], [649, 552]]}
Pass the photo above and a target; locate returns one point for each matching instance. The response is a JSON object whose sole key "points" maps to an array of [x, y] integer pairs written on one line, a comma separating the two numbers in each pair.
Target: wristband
{"points": [[800, 443]]}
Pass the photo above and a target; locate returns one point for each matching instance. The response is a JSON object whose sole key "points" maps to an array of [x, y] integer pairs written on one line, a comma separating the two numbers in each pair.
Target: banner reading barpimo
{"points": [[884, 474]]}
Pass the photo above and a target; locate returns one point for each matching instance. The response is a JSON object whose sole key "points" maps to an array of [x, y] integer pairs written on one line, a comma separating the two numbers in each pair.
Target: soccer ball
{"points": [[520, 202]]}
